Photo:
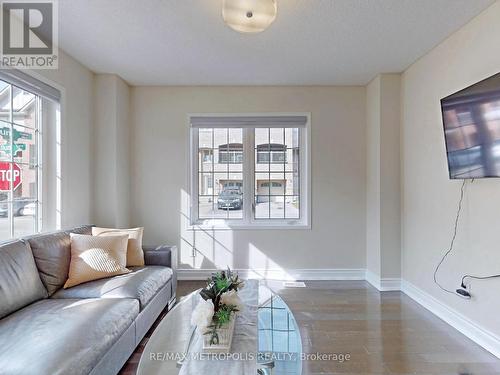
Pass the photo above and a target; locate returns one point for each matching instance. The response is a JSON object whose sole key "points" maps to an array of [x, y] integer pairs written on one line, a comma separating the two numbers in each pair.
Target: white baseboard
{"points": [[386, 284], [476, 333], [293, 274], [373, 279]]}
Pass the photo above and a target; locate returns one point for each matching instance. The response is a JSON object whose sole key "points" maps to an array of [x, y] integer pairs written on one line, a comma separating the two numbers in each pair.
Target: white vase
{"points": [[225, 334]]}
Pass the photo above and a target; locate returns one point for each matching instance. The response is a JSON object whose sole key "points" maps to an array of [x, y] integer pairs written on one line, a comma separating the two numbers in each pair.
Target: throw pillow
{"points": [[94, 258], [135, 255]]}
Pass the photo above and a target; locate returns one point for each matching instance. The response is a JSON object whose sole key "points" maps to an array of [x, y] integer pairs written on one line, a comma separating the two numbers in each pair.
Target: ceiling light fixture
{"points": [[249, 16]]}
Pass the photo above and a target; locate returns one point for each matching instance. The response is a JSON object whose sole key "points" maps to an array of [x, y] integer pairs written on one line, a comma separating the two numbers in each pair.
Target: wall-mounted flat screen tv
{"points": [[471, 119]]}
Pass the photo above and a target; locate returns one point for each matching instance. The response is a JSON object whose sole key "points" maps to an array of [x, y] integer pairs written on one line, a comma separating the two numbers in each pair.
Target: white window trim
{"points": [[249, 222], [51, 186], [37, 130]]}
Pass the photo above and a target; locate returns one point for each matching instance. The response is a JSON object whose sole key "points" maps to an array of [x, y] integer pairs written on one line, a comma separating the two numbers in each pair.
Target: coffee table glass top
{"points": [[279, 343]]}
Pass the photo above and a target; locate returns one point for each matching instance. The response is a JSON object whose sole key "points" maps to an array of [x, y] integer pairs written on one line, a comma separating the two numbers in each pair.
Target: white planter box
{"points": [[225, 338]]}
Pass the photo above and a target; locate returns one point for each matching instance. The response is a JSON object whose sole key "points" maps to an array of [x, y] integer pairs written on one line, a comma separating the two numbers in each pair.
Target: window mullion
{"points": [[194, 201], [37, 157], [303, 174], [11, 145], [248, 175]]}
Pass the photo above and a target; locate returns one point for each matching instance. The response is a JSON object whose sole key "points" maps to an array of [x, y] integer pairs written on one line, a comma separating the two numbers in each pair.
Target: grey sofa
{"points": [[91, 328]]}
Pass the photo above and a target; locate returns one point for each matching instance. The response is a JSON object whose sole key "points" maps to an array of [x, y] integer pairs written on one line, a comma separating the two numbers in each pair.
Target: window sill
{"points": [[222, 226]]}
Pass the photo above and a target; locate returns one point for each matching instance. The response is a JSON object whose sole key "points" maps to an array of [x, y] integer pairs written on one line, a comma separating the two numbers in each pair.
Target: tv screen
{"points": [[471, 120]]}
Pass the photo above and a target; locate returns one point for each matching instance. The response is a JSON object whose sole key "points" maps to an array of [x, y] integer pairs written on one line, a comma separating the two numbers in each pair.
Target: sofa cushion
{"points": [[142, 284], [62, 336], [20, 283], [52, 252]]}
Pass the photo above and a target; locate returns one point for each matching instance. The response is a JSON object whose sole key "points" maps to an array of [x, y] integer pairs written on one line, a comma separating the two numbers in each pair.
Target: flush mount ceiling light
{"points": [[249, 16]]}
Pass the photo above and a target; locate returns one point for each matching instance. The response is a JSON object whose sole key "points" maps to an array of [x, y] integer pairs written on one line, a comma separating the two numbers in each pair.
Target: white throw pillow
{"points": [[94, 258], [135, 254]]}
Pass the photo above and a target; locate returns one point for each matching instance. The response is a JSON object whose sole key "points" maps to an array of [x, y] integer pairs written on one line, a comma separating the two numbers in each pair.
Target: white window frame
{"points": [[48, 135], [37, 166], [248, 221]]}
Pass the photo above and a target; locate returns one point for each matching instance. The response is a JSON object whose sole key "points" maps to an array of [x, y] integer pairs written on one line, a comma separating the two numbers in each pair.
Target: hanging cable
{"points": [[476, 278], [453, 238], [461, 292]]}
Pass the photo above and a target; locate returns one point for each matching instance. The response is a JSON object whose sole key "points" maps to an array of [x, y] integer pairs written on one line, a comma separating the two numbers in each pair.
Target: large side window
{"points": [[249, 171], [20, 132], [23, 107]]}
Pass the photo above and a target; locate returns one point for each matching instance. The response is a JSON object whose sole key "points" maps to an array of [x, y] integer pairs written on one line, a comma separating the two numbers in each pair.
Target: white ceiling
{"points": [[312, 42]]}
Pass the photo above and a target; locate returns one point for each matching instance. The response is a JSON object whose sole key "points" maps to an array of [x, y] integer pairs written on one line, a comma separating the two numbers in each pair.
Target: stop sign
{"points": [[8, 175]]}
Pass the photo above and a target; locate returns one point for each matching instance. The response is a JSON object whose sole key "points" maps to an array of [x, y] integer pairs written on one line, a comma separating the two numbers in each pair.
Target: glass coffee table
{"points": [[279, 343]]}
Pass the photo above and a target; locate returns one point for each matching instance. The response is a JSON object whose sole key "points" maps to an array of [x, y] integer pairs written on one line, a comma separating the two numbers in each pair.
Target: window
{"points": [[218, 179], [231, 153], [29, 125], [465, 117], [206, 155], [259, 176], [20, 169], [271, 153]]}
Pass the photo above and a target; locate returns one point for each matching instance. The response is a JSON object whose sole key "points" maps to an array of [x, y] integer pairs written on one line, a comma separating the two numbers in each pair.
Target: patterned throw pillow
{"points": [[94, 258]]}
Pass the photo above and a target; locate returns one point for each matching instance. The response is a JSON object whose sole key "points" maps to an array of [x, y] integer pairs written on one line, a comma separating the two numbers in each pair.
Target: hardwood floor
{"points": [[384, 333]]}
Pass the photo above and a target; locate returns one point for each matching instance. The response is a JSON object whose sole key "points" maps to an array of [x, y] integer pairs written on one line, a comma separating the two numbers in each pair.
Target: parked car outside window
{"points": [[230, 199]]}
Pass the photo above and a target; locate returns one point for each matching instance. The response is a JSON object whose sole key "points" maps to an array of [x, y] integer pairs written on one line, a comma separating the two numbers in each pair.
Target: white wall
{"points": [[373, 177], [123, 153], [111, 147], [160, 176], [430, 198], [76, 137], [383, 198], [390, 176]]}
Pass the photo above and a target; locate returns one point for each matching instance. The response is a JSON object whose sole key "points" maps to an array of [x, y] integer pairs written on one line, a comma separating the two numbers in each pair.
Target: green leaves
{"points": [[219, 283], [223, 315], [222, 284]]}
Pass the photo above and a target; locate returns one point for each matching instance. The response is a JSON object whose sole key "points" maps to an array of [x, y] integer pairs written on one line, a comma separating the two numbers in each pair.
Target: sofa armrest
{"points": [[159, 255], [162, 256]]}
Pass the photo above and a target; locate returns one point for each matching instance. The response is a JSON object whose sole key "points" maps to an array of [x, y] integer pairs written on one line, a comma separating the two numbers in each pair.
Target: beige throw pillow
{"points": [[94, 258], [135, 255]]}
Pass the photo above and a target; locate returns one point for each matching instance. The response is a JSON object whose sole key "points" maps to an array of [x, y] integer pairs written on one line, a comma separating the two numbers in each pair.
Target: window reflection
{"points": [[472, 130], [279, 337]]}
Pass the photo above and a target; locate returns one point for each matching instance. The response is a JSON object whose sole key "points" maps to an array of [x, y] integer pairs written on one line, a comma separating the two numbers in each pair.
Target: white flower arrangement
{"points": [[231, 298], [220, 302]]}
